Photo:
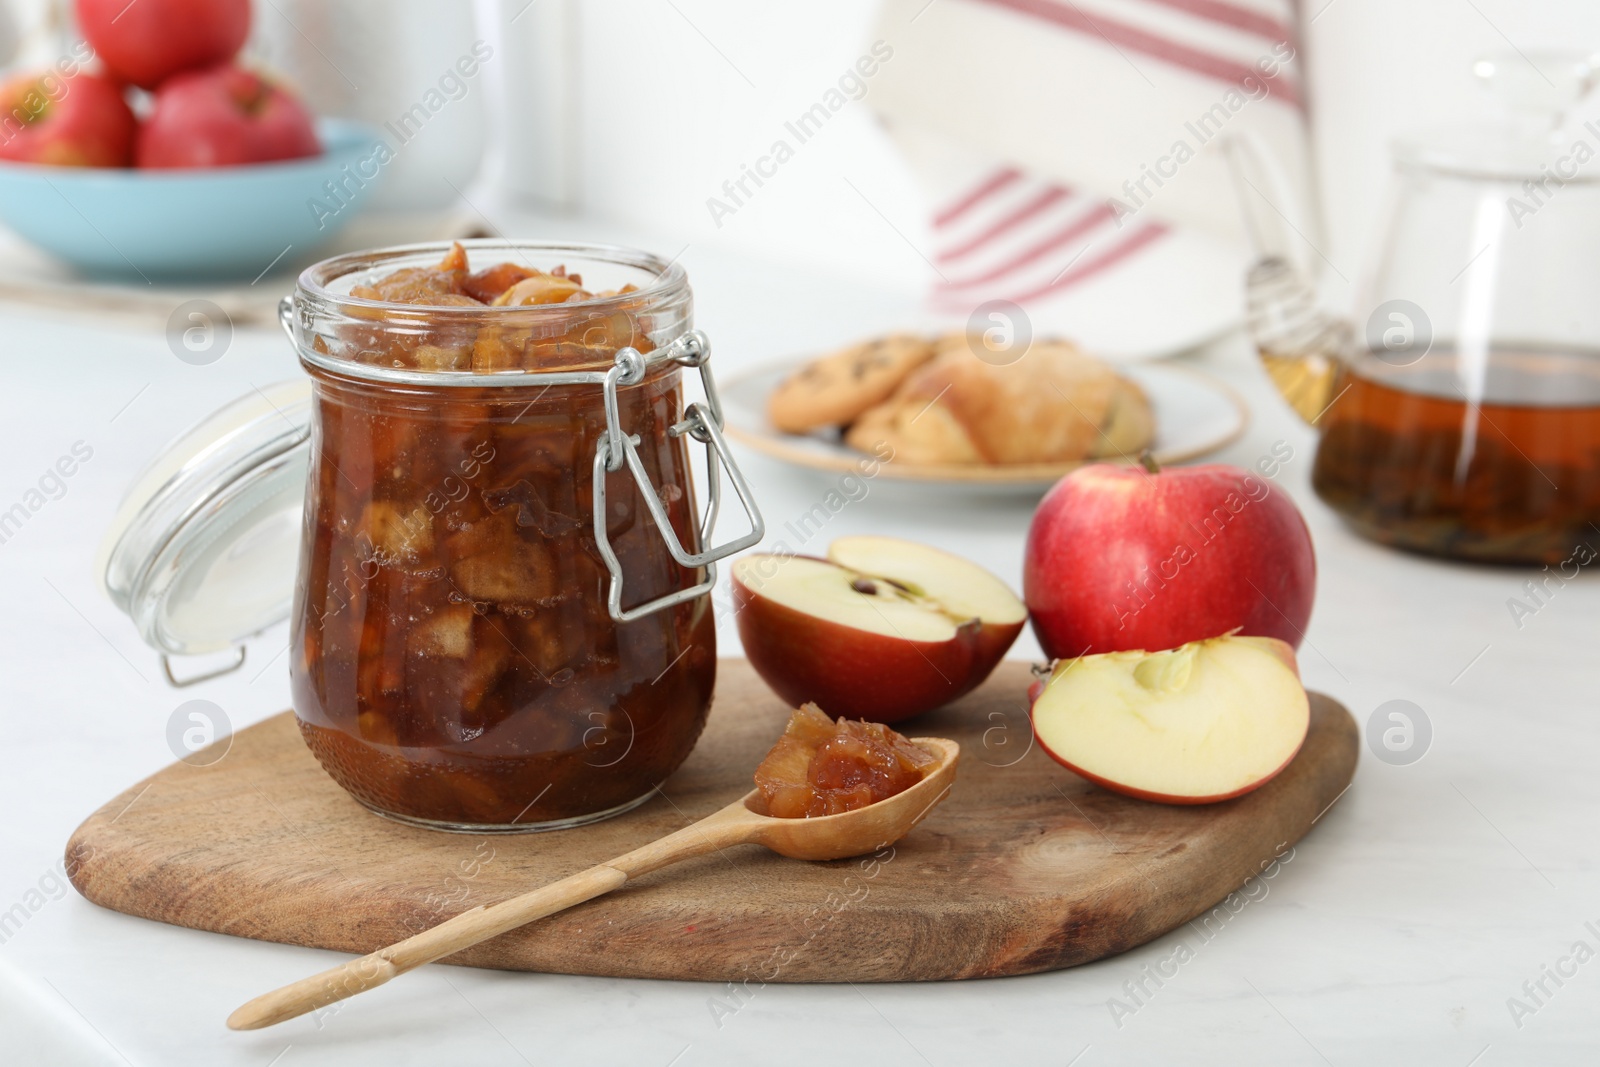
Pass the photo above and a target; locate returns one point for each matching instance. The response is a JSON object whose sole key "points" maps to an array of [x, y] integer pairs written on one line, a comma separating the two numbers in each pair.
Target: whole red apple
{"points": [[79, 120], [224, 117], [1123, 558], [147, 41]]}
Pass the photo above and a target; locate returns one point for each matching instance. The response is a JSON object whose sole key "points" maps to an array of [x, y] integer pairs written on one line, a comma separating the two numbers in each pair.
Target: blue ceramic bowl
{"points": [[230, 222]]}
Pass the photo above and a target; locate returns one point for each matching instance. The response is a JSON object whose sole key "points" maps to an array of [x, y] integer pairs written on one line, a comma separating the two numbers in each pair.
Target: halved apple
{"points": [[1206, 721], [883, 630]]}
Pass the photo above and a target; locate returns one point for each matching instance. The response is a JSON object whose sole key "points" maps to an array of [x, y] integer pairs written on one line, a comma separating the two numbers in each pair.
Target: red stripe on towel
{"points": [[1087, 269], [996, 182], [1120, 34], [1076, 228], [1226, 14], [1051, 196]]}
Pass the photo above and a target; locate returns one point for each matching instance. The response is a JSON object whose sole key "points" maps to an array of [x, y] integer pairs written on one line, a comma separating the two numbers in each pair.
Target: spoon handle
{"points": [[732, 825]]}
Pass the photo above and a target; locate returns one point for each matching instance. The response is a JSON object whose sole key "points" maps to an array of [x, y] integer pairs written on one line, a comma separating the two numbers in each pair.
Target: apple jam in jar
{"points": [[501, 621]]}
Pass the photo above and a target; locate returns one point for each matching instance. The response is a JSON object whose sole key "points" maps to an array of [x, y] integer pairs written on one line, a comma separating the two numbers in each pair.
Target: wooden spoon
{"points": [[829, 837]]}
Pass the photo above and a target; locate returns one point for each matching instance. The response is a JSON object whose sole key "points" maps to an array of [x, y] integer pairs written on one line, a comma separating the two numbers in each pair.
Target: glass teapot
{"points": [[1460, 406]]}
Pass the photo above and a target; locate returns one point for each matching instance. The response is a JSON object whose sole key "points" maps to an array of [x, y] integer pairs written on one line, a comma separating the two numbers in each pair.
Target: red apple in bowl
{"points": [[145, 42], [882, 630], [223, 117], [79, 120], [1128, 558], [1203, 722]]}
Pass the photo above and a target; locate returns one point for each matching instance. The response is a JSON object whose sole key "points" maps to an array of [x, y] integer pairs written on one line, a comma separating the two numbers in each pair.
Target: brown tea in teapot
{"points": [[1412, 459]]}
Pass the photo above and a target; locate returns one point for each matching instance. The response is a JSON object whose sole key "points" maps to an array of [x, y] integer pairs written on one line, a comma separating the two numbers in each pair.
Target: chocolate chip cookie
{"points": [[837, 388]]}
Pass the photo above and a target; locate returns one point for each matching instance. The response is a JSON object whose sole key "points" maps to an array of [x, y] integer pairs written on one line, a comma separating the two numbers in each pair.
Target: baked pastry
{"points": [[1129, 427], [836, 389], [1054, 405]]}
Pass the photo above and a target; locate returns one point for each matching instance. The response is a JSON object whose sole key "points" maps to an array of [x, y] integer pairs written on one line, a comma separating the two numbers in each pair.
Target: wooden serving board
{"points": [[1025, 867]]}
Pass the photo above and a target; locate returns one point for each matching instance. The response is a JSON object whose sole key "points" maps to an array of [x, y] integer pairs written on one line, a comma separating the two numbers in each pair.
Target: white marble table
{"points": [[1421, 902]]}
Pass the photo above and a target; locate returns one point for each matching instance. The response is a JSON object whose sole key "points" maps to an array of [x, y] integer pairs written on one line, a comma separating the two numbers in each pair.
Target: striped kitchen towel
{"points": [[1071, 155]]}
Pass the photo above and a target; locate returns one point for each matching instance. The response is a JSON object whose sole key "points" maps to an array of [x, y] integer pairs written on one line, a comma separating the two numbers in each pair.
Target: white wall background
{"points": [[673, 98]]}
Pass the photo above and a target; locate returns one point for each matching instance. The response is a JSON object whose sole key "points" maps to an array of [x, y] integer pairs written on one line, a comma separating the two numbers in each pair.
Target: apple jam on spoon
{"points": [[822, 767], [871, 785]]}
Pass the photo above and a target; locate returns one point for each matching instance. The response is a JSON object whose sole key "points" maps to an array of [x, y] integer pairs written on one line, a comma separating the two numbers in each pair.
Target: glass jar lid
{"points": [[203, 551]]}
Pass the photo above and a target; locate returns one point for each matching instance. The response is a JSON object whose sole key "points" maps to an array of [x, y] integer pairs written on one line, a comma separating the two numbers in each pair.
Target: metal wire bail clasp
{"points": [[703, 422]]}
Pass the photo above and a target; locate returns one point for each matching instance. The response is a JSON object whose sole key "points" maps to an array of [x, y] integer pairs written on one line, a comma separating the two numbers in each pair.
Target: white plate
{"points": [[1195, 415]]}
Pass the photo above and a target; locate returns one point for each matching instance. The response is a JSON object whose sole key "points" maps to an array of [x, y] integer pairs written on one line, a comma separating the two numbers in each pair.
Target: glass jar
{"points": [[487, 487], [501, 619]]}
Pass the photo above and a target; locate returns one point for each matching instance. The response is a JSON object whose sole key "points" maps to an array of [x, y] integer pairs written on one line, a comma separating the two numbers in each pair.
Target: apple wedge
{"points": [[882, 630], [1206, 721]]}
